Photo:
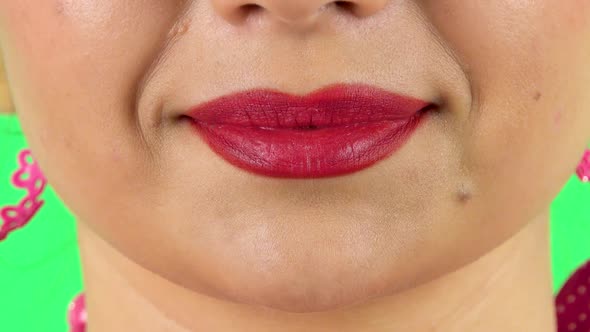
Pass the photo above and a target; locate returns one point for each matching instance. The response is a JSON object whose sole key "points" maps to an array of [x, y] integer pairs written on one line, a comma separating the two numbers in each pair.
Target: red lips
{"points": [[336, 130]]}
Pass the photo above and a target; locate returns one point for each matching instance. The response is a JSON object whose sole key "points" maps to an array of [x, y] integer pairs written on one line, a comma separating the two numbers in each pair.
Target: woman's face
{"points": [[101, 86]]}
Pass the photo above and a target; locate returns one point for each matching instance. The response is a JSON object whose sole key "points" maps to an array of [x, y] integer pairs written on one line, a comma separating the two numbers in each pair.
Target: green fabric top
{"points": [[40, 263]]}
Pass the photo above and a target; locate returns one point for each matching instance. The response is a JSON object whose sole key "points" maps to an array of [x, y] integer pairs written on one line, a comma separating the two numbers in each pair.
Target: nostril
{"points": [[250, 8], [345, 5], [298, 13]]}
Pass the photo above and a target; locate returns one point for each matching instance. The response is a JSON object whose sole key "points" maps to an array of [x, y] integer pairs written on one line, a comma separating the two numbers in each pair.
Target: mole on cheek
{"points": [[464, 193]]}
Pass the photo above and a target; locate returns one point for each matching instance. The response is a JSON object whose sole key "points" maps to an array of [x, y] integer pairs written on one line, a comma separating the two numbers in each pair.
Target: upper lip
{"points": [[336, 105]]}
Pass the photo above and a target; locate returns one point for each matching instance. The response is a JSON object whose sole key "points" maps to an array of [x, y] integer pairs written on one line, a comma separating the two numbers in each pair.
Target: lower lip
{"points": [[311, 153]]}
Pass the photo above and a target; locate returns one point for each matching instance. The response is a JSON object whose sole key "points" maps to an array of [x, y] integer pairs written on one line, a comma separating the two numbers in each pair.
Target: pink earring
{"points": [[583, 169], [28, 177], [77, 314]]}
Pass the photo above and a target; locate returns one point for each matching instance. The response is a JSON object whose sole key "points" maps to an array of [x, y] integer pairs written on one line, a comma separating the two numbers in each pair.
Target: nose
{"points": [[294, 12]]}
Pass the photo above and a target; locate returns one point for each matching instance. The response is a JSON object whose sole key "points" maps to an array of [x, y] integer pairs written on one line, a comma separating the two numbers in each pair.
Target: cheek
{"points": [[74, 68], [529, 69], [521, 59]]}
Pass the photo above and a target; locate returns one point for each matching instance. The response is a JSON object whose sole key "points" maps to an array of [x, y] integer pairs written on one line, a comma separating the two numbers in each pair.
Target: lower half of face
{"points": [[103, 88]]}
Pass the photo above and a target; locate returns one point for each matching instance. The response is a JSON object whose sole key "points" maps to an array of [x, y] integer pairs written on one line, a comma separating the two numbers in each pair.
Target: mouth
{"points": [[337, 130]]}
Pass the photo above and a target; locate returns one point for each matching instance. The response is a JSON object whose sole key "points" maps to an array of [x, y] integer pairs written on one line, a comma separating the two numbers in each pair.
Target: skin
{"points": [[6, 106], [435, 238]]}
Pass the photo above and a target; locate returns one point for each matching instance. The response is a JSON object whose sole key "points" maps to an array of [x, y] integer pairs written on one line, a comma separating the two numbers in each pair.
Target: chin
{"points": [[305, 297], [305, 288]]}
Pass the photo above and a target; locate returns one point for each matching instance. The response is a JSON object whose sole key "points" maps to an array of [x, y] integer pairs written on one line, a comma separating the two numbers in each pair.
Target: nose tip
{"points": [[293, 12]]}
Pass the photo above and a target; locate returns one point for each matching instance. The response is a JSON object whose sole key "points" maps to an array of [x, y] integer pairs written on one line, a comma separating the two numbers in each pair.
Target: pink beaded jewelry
{"points": [[77, 314], [28, 177], [583, 169]]}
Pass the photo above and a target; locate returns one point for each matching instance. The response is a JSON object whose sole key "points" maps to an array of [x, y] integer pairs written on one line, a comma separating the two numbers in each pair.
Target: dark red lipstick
{"points": [[336, 130]]}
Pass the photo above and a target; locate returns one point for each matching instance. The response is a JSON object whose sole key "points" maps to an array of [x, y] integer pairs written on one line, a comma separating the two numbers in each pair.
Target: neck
{"points": [[508, 289], [6, 106]]}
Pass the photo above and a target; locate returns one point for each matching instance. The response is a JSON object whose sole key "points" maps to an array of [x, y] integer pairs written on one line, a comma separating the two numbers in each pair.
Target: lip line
{"points": [[419, 113], [367, 104], [422, 110]]}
